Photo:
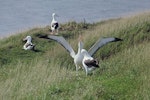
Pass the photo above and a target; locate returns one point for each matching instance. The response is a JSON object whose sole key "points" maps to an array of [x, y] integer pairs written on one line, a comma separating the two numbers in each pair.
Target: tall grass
{"points": [[49, 73]]}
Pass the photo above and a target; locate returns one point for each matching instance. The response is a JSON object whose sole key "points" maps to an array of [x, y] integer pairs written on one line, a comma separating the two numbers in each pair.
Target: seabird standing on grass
{"points": [[28, 45], [54, 25], [89, 63], [78, 58]]}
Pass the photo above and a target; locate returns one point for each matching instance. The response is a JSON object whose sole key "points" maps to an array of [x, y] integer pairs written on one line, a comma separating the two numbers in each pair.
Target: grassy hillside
{"points": [[49, 73]]}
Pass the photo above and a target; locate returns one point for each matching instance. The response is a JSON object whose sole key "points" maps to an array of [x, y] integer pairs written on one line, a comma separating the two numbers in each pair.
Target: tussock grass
{"points": [[49, 73]]}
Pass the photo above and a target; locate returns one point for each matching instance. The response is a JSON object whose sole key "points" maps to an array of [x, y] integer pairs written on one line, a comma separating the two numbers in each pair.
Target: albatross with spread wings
{"points": [[78, 58]]}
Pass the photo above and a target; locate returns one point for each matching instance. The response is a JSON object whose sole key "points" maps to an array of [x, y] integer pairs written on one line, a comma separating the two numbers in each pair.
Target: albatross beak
{"points": [[24, 39], [80, 38]]}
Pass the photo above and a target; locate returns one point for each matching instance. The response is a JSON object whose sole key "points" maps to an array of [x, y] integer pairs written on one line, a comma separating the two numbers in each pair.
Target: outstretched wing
{"points": [[100, 43], [64, 43]]}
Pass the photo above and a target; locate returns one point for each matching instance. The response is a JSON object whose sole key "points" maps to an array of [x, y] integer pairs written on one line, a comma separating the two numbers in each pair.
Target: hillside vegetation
{"points": [[49, 72]]}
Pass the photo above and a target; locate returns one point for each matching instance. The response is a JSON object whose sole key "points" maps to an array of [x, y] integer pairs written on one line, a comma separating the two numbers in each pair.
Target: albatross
{"points": [[54, 25], [89, 63], [78, 57], [28, 45]]}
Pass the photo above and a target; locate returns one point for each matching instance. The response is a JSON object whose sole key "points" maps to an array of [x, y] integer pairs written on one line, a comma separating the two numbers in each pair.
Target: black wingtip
{"points": [[118, 39], [42, 36]]}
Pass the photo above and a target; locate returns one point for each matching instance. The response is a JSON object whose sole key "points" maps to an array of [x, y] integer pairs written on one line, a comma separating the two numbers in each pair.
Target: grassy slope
{"points": [[50, 74]]}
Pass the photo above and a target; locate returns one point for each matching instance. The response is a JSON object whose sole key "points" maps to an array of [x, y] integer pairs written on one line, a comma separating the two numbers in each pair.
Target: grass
{"points": [[49, 73]]}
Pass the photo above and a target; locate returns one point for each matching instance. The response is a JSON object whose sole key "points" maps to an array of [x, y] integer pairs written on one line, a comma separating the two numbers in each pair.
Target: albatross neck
{"points": [[29, 41], [53, 17], [80, 47]]}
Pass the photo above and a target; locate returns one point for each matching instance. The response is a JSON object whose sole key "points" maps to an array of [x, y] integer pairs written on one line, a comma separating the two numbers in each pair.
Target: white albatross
{"points": [[80, 55], [89, 63], [77, 57], [28, 45], [54, 25]]}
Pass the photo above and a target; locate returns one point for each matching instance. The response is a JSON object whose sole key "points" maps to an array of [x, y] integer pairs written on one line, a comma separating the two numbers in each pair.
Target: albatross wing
{"points": [[100, 43], [64, 43]]}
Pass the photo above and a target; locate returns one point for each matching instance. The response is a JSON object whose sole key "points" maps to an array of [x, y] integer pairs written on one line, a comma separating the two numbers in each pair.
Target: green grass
{"points": [[49, 73]]}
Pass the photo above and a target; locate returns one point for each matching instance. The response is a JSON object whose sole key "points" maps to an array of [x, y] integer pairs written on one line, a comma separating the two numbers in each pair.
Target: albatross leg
{"points": [[56, 32], [76, 69]]}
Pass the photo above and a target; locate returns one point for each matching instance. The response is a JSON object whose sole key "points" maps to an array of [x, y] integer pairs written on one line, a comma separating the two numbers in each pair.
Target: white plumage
{"points": [[82, 53], [78, 56], [28, 45], [54, 24], [89, 63]]}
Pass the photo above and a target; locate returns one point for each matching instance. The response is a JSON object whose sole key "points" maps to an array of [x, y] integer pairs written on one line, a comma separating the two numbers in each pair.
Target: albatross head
{"points": [[84, 52], [54, 14], [80, 38], [80, 43], [28, 38]]}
